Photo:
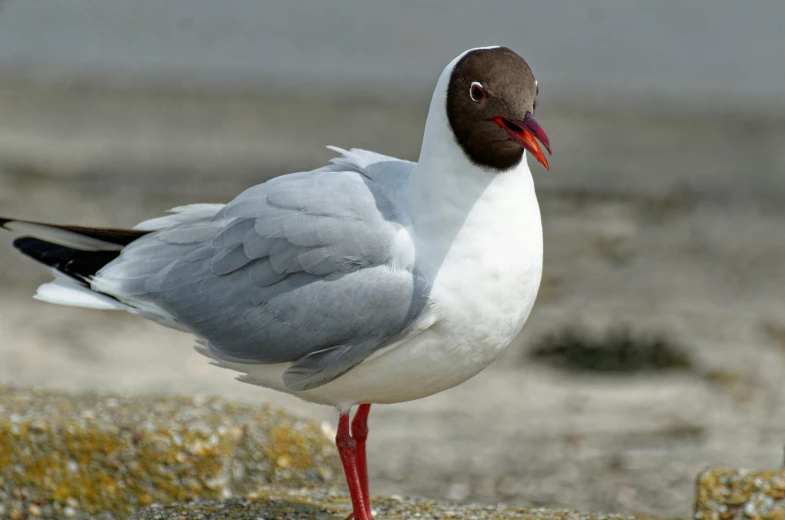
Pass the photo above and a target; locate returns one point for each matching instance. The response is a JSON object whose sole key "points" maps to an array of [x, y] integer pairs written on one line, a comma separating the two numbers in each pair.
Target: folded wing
{"points": [[313, 269]]}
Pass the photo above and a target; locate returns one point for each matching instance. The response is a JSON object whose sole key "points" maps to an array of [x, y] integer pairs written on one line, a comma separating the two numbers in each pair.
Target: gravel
{"points": [[319, 505]]}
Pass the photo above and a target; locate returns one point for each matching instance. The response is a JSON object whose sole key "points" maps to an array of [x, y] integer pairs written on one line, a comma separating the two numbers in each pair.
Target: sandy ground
{"points": [[666, 226]]}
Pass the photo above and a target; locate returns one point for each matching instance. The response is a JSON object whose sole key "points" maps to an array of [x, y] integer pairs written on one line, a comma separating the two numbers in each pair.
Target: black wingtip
{"points": [[79, 265], [33, 247]]}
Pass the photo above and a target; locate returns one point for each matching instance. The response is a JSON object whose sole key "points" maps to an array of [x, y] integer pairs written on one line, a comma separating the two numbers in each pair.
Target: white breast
{"points": [[489, 280], [486, 277]]}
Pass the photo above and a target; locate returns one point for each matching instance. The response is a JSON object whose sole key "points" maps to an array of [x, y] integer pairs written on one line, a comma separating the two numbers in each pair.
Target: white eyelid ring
{"points": [[476, 91]]}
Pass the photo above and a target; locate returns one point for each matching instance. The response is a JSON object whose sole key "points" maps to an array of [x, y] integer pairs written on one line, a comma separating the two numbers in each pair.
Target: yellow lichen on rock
{"points": [[89, 454], [737, 494], [288, 448]]}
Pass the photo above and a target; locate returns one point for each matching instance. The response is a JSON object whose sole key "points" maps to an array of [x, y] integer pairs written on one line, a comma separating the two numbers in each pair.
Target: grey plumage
{"points": [[301, 269]]}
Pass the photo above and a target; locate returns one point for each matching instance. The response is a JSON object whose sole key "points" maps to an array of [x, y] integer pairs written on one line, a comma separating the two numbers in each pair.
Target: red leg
{"points": [[347, 451], [360, 434]]}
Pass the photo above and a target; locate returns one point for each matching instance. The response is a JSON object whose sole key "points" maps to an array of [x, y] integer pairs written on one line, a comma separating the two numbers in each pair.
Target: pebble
{"points": [[38, 426]]}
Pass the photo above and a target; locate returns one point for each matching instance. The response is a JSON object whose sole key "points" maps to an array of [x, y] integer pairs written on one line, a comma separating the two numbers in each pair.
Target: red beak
{"points": [[526, 133]]}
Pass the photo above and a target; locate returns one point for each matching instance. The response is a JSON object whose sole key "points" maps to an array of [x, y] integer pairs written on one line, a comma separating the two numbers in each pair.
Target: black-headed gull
{"points": [[370, 280]]}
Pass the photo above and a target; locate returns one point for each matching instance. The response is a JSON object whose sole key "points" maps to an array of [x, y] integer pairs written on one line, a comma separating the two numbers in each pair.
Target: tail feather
{"points": [[75, 254], [64, 290], [75, 251], [79, 265], [76, 237]]}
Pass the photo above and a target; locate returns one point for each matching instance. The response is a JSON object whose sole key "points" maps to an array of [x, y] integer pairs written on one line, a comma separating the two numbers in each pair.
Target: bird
{"points": [[370, 280]]}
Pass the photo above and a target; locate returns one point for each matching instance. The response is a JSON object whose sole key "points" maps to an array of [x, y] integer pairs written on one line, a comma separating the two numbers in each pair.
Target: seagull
{"points": [[369, 280]]}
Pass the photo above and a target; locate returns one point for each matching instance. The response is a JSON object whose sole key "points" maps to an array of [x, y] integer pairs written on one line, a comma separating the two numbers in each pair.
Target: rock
{"points": [[88, 456], [311, 504], [738, 494]]}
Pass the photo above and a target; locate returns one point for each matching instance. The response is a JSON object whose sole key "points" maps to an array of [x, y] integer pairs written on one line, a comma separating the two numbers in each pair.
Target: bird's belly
{"points": [[432, 362], [465, 338], [474, 322], [482, 296]]}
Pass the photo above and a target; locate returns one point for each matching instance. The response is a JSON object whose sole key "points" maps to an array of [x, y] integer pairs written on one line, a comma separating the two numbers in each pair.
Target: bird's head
{"points": [[491, 100]]}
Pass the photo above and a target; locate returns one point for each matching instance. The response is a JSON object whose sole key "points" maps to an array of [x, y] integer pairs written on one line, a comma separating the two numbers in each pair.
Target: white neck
{"points": [[445, 180]]}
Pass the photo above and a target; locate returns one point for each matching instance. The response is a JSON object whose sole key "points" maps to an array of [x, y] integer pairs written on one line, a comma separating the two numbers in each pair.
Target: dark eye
{"points": [[476, 92]]}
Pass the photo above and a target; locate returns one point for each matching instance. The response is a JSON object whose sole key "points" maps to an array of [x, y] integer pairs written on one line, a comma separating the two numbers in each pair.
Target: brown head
{"points": [[491, 99]]}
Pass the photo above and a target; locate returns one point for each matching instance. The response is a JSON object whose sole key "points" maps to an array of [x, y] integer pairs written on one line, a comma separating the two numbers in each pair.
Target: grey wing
{"points": [[308, 268]]}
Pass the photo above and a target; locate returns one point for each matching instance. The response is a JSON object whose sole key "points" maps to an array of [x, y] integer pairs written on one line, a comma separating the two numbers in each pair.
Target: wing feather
{"points": [[299, 269]]}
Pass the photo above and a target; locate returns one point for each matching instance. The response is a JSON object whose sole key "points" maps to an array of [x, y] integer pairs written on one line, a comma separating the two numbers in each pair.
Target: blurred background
{"points": [[657, 346]]}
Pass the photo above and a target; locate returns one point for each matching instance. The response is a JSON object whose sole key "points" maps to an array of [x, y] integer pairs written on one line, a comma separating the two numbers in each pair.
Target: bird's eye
{"points": [[476, 92]]}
